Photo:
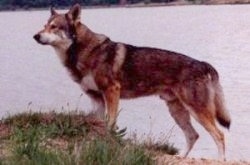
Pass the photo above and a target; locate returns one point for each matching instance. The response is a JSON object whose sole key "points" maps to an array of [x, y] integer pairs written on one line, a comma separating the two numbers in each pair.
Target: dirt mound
{"points": [[163, 159]]}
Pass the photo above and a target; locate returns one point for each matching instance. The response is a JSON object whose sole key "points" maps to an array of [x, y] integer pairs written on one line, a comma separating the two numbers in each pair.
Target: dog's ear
{"points": [[74, 13], [53, 11]]}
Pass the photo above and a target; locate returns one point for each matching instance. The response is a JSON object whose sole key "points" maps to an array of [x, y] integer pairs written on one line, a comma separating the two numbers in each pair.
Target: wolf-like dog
{"points": [[108, 70]]}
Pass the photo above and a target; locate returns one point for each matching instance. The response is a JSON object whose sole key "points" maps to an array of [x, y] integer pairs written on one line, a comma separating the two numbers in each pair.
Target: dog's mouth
{"points": [[42, 43]]}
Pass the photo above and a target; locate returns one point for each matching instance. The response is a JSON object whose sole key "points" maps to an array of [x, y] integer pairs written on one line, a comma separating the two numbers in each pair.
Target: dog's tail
{"points": [[222, 115]]}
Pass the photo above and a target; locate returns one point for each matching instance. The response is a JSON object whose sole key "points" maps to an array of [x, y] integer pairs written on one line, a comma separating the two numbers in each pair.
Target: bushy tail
{"points": [[222, 115]]}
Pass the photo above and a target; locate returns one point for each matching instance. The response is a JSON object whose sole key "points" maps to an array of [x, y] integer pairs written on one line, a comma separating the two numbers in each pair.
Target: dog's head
{"points": [[59, 30]]}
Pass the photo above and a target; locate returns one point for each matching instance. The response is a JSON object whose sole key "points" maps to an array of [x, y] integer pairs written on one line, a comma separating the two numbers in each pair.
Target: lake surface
{"points": [[31, 76]]}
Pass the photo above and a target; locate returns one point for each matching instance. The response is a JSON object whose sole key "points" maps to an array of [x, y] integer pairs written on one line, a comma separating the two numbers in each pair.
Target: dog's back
{"points": [[151, 71]]}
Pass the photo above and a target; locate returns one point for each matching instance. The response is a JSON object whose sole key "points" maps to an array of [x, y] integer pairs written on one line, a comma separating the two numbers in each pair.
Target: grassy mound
{"points": [[59, 138]]}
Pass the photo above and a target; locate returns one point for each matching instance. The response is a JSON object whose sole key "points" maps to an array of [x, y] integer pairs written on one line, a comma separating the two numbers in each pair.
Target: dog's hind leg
{"points": [[182, 118], [207, 120], [198, 98]]}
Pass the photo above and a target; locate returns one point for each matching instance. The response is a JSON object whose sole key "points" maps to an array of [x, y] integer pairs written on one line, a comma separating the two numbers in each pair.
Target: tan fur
{"points": [[107, 71]]}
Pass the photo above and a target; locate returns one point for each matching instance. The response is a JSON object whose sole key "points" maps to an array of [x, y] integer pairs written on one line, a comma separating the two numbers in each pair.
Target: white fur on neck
{"points": [[62, 48]]}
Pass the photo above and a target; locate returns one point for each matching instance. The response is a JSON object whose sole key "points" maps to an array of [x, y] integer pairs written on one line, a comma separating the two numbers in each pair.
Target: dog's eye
{"points": [[53, 27]]}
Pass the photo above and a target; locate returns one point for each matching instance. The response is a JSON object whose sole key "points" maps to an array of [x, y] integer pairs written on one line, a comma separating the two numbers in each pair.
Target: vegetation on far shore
{"points": [[74, 138], [31, 4]]}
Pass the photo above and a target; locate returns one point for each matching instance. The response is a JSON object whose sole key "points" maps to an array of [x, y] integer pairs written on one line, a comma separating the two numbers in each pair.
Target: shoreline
{"points": [[136, 5], [161, 159]]}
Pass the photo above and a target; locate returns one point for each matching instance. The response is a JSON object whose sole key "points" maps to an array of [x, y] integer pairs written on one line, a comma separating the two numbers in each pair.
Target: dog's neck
{"points": [[72, 52], [86, 38], [84, 42], [61, 49], [67, 49]]}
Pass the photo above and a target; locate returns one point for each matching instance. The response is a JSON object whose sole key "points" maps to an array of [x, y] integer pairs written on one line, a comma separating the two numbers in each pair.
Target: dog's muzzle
{"points": [[37, 37]]}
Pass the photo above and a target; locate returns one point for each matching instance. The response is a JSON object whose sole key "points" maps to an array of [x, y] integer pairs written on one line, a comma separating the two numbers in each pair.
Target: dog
{"points": [[108, 70]]}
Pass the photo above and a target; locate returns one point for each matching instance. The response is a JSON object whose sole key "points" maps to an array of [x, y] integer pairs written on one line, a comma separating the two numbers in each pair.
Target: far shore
{"points": [[136, 5]]}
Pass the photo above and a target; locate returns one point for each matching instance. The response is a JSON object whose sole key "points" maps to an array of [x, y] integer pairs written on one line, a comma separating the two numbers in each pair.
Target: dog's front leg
{"points": [[98, 103], [112, 96]]}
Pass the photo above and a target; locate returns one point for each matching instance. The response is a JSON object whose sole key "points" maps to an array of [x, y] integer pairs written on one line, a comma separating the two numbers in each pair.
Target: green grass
{"points": [[69, 139]]}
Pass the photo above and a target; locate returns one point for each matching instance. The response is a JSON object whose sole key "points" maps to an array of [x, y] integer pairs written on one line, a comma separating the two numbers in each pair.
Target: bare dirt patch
{"points": [[163, 159]]}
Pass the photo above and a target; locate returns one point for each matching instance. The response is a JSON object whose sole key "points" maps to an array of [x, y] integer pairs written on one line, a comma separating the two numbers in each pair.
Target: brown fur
{"points": [[108, 71]]}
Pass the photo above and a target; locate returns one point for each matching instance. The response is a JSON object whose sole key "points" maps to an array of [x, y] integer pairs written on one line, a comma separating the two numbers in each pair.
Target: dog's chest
{"points": [[88, 82]]}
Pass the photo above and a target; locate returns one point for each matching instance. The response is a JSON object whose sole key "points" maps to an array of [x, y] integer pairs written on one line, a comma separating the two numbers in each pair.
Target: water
{"points": [[31, 76]]}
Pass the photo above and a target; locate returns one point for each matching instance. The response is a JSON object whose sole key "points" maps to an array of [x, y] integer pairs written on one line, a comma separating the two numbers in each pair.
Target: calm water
{"points": [[32, 76]]}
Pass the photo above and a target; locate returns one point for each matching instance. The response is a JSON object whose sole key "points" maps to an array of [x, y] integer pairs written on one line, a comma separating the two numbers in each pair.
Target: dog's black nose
{"points": [[37, 37]]}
